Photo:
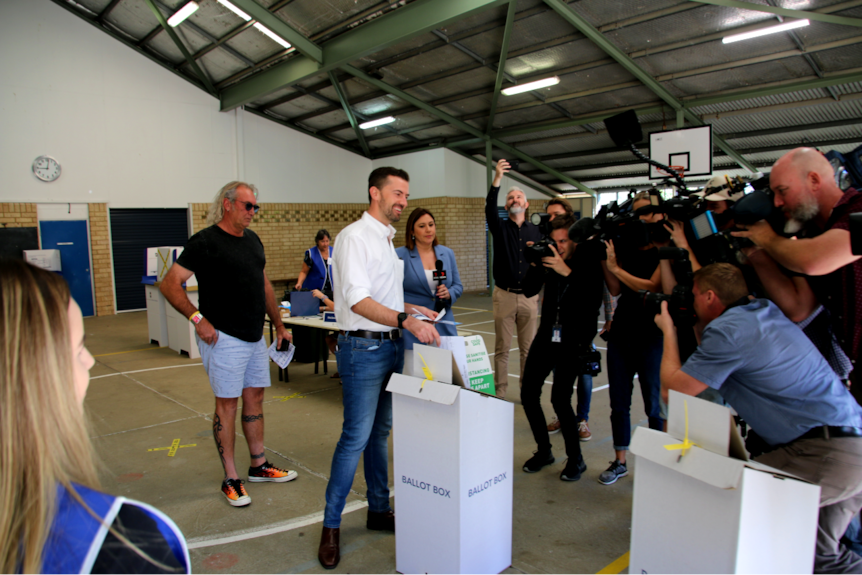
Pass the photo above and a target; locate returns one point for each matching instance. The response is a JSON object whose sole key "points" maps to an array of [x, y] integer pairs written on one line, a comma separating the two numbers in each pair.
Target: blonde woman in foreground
{"points": [[53, 519]]}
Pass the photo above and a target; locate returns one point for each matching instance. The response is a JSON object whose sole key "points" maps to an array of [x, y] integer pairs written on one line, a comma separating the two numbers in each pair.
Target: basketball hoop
{"points": [[679, 170]]}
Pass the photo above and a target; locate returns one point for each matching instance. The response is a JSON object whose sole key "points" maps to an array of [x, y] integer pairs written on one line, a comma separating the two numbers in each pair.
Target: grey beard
{"points": [[804, 212], [515, 210]]}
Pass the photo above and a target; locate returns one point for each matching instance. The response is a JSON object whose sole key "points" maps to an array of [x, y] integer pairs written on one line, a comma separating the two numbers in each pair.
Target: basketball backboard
{"points": [[690, 148]]}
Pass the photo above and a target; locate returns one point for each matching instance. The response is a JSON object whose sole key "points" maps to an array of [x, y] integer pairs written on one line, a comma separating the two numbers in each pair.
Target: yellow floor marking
{"points": [[617, 566], [130, 351], [172, 450], [284, 398]]}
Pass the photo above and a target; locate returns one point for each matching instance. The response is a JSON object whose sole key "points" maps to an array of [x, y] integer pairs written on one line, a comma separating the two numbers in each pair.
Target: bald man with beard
{"points": [[805, 189]]}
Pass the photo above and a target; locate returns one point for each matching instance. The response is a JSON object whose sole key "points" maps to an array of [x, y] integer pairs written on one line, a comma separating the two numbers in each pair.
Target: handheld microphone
{"points": [[439, 275]]}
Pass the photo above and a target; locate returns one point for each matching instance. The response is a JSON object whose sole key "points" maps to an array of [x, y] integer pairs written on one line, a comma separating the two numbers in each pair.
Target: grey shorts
{"points": [[233, 364]]}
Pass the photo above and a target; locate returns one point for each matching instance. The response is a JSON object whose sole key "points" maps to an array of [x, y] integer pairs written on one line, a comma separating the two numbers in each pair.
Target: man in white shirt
{"points": [[369, 303]]}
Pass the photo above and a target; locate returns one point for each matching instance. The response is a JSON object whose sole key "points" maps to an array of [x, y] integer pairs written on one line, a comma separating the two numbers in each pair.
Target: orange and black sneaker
{"points": [[269, 472], [234, 490]]}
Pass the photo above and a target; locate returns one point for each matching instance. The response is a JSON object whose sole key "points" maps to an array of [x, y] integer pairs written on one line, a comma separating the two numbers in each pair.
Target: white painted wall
{"points": [[130, 133], [442, 172]]}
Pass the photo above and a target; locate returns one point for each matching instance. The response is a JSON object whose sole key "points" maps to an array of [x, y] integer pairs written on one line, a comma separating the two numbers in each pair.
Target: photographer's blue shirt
{"points": [[771, 373]]}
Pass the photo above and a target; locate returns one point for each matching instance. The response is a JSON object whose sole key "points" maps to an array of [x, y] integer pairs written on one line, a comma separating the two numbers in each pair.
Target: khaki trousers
{"points": [[511, 310], [836, 466]]}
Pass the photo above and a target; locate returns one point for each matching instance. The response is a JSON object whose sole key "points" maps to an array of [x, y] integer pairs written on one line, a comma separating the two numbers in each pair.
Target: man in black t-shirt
{"points": [[228, 260], [574, 281], [515, 301]]}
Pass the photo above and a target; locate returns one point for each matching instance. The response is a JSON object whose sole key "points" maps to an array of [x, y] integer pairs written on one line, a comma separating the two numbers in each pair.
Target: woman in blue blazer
{"points": [[420, 255]]}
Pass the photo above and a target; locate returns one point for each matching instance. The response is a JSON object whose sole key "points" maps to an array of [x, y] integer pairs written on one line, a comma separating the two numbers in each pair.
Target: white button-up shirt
{"points": [[366, 265]]}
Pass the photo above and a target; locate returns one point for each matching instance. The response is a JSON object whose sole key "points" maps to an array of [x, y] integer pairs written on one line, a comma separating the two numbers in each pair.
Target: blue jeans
{"points": [[625, 358], [365, 366], [585, 395]]}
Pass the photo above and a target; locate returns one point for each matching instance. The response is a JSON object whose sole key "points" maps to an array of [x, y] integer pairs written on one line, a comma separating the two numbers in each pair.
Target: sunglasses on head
{"points": [[248, 206]]}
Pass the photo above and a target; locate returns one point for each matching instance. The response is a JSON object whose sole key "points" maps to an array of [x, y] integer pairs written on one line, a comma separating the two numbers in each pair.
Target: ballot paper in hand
{"points": [[421, 316], [281, 358]]}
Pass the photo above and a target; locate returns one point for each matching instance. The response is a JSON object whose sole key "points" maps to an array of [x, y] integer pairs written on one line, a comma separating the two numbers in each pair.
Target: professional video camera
{"points": [[540, 249], [680, 303], [590, 361], [621, 225], [712, 232]]}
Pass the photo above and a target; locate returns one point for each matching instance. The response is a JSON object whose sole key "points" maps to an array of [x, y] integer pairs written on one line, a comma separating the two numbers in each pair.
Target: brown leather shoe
{"points": [[329, 554], [381, 521]]}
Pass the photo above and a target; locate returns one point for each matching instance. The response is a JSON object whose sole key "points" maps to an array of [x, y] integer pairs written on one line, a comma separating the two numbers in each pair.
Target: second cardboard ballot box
{"points": [[453, 471], [711, 509]]}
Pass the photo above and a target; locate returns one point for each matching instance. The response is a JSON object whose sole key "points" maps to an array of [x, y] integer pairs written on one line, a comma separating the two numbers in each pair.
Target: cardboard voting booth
{"points": [[701, 506], [453, 470]]}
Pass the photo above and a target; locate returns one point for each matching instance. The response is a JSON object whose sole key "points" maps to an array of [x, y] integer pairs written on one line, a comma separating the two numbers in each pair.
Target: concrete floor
{"points": [[143, 397]]}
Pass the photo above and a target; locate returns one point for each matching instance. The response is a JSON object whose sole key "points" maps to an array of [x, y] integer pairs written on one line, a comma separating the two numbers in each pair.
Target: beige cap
{"points": [[717, 190]]}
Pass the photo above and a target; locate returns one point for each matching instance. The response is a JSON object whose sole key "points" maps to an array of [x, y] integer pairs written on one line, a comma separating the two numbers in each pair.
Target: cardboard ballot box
{"points": [[713, 510], [453, 471]]}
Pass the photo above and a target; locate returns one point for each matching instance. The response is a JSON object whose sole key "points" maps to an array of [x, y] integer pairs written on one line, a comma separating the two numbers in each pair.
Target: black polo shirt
{"points": [[510, 240]]}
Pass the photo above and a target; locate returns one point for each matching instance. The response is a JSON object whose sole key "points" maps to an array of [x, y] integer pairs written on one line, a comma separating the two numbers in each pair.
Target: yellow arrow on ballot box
{"points": [[428, 375], [686, 443]]}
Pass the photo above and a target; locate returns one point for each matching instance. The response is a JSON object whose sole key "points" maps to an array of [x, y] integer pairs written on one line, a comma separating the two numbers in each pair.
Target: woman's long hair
{"points": [[44, 440]]}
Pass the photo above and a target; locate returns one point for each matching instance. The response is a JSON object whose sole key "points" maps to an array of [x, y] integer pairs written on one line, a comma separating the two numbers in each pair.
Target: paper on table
{"points": [[282, 358]]}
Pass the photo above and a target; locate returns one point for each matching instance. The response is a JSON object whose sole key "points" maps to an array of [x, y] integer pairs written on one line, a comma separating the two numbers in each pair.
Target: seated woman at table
{"points": [[317, 265], [332, 337], [421, 253], [55, 519]]}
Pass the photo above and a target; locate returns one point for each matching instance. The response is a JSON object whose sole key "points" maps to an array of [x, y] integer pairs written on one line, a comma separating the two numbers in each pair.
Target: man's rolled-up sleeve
{"points": [[717, 357], [353, 266]]}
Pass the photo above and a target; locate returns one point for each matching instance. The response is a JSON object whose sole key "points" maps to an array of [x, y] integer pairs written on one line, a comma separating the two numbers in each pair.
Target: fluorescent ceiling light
{"points": [[764, 31], [578, 195], [531, 86], [278, 39], [235, 10], [375, 123], [182, 14]]}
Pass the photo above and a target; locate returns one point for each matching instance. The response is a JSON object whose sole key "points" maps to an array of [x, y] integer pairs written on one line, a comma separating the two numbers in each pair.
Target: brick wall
{"points": [[287, 230], [100, 247], [26, 216], [18, 216]]}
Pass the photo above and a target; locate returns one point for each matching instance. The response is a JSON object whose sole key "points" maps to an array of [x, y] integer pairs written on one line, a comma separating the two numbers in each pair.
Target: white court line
{"points": [[474, 311], [489, 332], [469, 308], [280, 527], [477, 323], [142, 370], [513, 349]]}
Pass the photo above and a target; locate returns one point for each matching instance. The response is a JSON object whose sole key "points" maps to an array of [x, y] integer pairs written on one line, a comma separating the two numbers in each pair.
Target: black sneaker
{"points": [[538, 461], [614, 472], [573, 471]]}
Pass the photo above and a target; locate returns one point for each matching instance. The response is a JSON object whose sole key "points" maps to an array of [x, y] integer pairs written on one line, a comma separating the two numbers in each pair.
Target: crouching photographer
{"points": [[802, 418], [573, 278]]}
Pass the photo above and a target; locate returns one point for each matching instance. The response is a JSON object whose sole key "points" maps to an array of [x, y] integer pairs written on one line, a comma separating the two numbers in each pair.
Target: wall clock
{"points": [[46, 168]]}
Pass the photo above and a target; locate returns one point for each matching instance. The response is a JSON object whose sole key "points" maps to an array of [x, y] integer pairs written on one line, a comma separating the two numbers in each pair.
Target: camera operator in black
{"points": [[635, 343], [574, 281]]}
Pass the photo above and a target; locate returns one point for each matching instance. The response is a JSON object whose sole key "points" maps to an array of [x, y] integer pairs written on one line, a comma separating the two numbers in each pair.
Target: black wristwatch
{"points": [[401, 317]]}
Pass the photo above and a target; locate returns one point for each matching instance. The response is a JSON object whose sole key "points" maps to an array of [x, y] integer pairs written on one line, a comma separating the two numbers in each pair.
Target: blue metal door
{"points": [[70, 237]]}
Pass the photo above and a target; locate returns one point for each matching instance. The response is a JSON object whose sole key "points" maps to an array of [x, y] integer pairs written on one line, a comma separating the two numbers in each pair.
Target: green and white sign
{"points": [[479, 366]]}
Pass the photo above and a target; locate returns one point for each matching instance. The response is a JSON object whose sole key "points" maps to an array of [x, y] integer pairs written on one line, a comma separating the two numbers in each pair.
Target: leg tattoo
{"points": [[217, 427], [252, 418], [260, 455]]}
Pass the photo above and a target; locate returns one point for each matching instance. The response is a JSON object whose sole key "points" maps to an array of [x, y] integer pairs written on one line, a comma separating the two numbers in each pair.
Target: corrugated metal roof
{"points": [[666, 37]]}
